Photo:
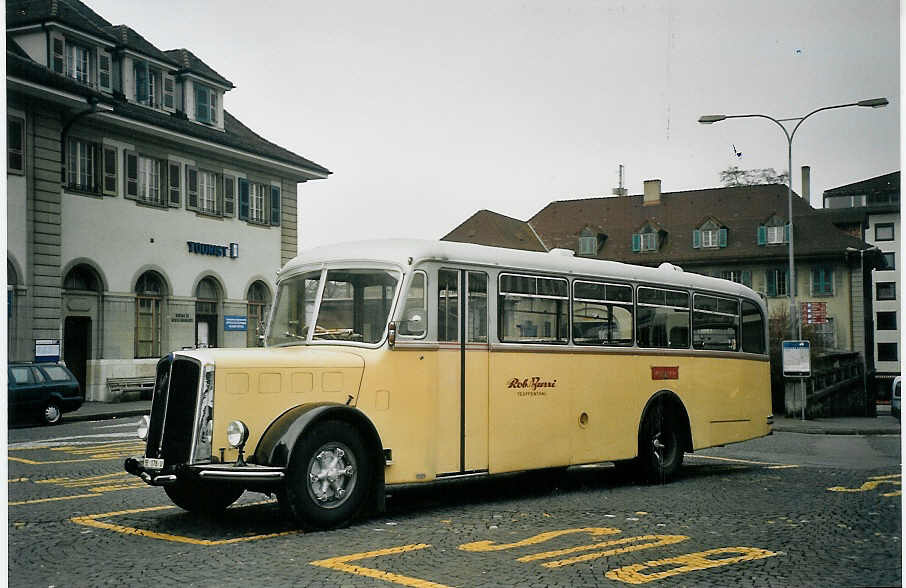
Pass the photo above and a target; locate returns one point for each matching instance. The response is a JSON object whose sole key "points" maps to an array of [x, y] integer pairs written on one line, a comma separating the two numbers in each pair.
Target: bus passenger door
{"points": [[462, 401]]}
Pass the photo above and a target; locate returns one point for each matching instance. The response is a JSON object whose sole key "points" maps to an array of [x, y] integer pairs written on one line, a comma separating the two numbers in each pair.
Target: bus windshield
{"points": [[355, 306]]}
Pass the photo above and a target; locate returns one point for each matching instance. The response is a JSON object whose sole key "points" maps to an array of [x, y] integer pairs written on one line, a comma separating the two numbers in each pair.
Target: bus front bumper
{"points": [[209, 472]]}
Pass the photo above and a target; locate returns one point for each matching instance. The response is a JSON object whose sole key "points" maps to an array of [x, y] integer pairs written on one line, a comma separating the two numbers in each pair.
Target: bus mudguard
{"points": [[674, 402]]}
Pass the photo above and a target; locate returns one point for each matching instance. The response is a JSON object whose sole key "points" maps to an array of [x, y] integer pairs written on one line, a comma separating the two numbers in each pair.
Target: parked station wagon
{"points": [[42, 390]]}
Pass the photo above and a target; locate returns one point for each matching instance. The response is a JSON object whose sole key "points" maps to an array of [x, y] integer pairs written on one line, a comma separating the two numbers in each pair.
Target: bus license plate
{"points": [[153, 463]]}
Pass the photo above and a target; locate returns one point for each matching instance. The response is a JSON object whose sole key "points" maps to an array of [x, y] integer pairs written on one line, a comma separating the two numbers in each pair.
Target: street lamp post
{"points": [[796, 326]]}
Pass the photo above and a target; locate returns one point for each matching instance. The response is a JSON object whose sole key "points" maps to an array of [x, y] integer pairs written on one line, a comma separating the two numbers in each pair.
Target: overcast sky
{"points": [[426, 112]]}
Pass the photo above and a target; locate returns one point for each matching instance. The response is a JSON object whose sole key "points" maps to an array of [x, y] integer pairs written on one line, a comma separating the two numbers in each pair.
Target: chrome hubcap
{"points": [[658, 448], [331, 475], [51, 413]]}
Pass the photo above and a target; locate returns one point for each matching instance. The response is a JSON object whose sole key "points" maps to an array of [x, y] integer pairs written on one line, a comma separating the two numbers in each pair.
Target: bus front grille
{"points": [[173, 410]]}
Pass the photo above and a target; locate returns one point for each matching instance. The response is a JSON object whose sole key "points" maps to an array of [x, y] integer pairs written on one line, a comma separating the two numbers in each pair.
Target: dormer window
{"points": [[147, 84], [205, 104], [78, 63], [774, 231], [648, 238], [590, 242], [709, 235]]}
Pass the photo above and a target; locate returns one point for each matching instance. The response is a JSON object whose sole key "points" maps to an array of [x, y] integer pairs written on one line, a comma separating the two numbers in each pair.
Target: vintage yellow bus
{"points": [[401, 362]]}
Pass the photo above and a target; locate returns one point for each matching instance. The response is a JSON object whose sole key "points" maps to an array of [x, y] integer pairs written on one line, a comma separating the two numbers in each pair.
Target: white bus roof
{"points": [[406, 252]]}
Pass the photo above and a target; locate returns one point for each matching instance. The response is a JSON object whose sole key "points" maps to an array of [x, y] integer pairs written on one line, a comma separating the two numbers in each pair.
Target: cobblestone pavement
{"points": [[771, 512]]}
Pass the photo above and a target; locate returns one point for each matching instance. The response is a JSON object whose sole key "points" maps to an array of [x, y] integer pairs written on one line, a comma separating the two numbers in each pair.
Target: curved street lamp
{"points": [[796, 326]]}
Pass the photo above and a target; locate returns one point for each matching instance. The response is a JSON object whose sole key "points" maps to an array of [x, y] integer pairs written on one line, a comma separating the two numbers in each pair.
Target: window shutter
{"points": [[131, 172], [57, 55], [173, 185], [104, 82], [229, 187], [722, 238], [191, 188], [243, 199], [141, 82], [636, 242], [747, 278], [212, 114], [109, 171], [218, 193], [762, 235], [696, 239], [169, 93], [202, 110], [275, 205], [786, 233], [770, 277]]}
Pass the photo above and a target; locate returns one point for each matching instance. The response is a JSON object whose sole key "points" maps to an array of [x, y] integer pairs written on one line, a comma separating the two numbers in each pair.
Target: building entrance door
{"points": [[76, 347]]}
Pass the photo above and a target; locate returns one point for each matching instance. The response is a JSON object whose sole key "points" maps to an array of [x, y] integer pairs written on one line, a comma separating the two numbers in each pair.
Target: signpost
{"points": [[814, 313], [47, 350], [797, 363]]}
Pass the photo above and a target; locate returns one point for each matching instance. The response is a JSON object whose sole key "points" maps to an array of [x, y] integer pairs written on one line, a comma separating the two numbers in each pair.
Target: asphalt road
{"points": [[786, 510]]}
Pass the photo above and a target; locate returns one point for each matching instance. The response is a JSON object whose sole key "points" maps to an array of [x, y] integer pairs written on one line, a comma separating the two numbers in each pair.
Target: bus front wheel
{"points": [[660, 448], [328, 476]]}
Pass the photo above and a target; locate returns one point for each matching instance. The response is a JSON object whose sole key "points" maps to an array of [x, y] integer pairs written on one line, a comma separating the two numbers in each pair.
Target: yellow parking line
{"points": [[341, 564], [55, 498], [746, 461], [92, 521]]}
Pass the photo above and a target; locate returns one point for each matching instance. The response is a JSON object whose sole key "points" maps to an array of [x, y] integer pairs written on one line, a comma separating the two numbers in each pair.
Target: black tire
{"points": [[660, 445], [329, 477], [52, 414], [207, 499]]}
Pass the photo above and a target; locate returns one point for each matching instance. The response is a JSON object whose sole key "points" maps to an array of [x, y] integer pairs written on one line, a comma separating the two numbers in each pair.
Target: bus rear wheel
{"points": [[660, 448], [329, 476]]}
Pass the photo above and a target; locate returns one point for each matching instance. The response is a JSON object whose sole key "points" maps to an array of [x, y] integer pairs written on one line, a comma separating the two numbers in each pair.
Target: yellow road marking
{"points": [[92, 521], [746, 461], [686, 563], [781, 467], [872, 483], [14, 480], [539, 538], [54, 499], [652, 541], [341, 564], [105, 451]]}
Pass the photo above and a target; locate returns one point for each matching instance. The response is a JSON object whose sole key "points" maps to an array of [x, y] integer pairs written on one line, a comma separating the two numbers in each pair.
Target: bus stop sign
{"points": [[797, 359]]}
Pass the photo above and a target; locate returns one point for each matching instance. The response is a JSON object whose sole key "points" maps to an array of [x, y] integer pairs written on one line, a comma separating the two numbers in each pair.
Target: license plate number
{"points": [[153, 463]]}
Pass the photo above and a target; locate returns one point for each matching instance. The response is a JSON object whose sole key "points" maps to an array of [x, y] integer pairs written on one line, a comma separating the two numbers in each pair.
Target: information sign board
{"points": [[797, 359]]}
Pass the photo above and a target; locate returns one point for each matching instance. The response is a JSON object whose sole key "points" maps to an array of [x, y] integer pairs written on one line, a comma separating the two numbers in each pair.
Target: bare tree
{"points": [[734, 176]]}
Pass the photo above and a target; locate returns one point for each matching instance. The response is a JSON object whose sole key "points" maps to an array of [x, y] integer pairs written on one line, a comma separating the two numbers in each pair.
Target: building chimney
{"points": [[652, 193], [806, 180]]}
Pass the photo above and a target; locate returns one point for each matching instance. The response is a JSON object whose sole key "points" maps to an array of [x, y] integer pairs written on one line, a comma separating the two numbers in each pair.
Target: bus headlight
{"points": [[143, 425], [237, 434]]}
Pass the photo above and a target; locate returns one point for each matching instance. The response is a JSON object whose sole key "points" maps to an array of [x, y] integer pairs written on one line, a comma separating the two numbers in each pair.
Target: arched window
{"points": [[207, 302], [258, 298], [81, 277], [149, 291]]}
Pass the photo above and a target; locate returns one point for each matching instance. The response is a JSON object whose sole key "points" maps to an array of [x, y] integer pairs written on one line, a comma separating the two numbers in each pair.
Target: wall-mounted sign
{"points": [[181, 317], [47, 350], [797, 359], [235, 323], [814, 313], [215, 250]]}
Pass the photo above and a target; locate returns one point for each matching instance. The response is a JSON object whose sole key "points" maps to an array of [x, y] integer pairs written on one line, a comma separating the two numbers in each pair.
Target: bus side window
{"points": [[477, 307], [752, 328], [662, 318], [715, 321], [447, 305], [414, 320]]}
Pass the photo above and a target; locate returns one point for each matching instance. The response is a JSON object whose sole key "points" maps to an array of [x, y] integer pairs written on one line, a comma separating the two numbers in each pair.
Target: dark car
{"points": [[42, 390]]}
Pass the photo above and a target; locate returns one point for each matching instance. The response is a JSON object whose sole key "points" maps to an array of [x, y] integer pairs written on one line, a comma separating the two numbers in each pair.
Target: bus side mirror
{"points": [[391, 333]]}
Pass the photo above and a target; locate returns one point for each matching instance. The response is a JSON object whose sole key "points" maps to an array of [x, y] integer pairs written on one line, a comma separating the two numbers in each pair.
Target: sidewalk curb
{"points": [[834, 431], [101, 416]]}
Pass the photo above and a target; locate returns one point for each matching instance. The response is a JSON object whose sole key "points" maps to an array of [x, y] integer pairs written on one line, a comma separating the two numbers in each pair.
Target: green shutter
{"points": [[243, 199], [762, 235], [229, 199], [201, 104], [130, 168], [275, 205], [696, 239], [141, 82], [747, 278], [191, 188], [786, 233], [722, 238], [770, 277], [636, 242]]}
